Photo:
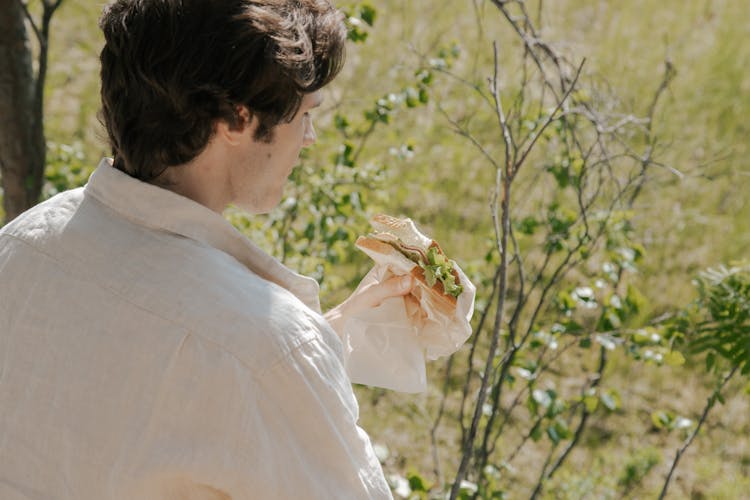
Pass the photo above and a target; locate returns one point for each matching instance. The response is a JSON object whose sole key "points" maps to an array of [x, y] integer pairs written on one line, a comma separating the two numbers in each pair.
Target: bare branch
{"points": [[543, 367], [502, 245], [31, 21], [464, 132], [507, 137], [433, 431], [584, 416], [597, 189], [551, 117], [709, 405], [531, 42], [470, 360], [521, 282], [51, 5]]}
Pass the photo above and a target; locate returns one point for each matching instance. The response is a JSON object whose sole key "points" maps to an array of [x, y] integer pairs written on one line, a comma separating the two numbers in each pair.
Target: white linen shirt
{"points": [[149, 350]]}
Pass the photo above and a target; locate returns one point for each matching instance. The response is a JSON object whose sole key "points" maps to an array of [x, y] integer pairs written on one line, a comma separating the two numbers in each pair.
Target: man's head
{"points": [[172, 69]]}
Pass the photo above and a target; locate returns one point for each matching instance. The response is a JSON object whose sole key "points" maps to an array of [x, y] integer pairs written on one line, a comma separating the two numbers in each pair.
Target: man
{"points": [[147, 349]]}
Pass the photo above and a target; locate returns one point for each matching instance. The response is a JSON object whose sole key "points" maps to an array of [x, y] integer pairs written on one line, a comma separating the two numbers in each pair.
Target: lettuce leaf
{"points": [[437, 268]]}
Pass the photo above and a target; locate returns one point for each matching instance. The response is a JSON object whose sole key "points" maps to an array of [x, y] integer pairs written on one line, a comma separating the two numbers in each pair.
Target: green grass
{"points": [[686, 223]]}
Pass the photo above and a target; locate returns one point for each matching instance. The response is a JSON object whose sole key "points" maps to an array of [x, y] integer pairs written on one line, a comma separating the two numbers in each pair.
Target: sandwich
{"points": [[399, 245]]}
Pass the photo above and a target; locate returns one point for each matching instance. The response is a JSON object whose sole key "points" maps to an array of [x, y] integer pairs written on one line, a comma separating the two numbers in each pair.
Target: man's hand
{"points": [[368, 297]]}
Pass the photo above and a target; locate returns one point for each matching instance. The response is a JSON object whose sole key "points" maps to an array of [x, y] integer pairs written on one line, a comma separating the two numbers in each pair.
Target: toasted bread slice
{"points": [[403, 229], [385, 254]]}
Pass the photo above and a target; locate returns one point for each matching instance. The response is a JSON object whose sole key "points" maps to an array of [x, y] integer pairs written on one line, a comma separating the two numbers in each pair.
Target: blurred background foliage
{"points": [[385, 143]]}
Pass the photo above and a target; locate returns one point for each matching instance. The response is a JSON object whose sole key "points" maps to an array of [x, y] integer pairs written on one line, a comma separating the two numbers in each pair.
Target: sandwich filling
{"points": [[435, 265]]}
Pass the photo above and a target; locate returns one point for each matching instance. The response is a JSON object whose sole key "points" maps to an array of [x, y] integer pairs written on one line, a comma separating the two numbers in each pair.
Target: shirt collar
{"points": [[161, 209]]}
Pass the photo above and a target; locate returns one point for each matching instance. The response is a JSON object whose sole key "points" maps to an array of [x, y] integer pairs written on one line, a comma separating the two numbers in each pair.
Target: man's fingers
{"points": [[368, 297], [376, 293], [398, 285], [405, 284]]}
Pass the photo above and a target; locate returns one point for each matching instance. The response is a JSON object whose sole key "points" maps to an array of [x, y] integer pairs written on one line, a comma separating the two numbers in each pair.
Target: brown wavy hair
{"points": [[170, 69]]}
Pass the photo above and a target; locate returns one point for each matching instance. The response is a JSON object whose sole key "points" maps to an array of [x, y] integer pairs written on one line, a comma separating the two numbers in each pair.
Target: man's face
{"points": [[257, 178]]}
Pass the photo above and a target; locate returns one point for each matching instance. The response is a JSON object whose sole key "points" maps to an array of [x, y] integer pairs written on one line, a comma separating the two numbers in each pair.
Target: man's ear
{"points": [[235, 133], [244, 118]]}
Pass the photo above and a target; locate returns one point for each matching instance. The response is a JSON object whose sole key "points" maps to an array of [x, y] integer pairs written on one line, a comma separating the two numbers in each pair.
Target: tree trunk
{"points": [[22, 144]]}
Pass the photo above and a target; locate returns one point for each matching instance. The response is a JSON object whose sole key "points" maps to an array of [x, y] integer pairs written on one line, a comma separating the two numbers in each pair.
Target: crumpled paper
{"points": [[387, 346]]}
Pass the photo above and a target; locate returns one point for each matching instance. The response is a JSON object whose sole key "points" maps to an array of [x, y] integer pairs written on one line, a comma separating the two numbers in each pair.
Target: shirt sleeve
{"points": [[221, 431]]}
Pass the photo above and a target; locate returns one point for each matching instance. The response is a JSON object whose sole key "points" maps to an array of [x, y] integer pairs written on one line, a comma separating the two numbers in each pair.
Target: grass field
{"points": [[687, 222]]}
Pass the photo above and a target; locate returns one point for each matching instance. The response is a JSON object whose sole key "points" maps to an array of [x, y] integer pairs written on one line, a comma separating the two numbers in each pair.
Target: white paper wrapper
{"points": [[385, 347]]}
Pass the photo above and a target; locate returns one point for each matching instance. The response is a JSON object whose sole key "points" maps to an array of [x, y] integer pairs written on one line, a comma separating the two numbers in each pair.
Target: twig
{"points": [[502, 245], [669, 74], [536, 492], [532, 42], [463, 132], [30, 18], [709, 405], [600, 141], [470, 360], [584, 416], [43, 36], [433, 431], [507, 136], [517, 399], [551, 117]]}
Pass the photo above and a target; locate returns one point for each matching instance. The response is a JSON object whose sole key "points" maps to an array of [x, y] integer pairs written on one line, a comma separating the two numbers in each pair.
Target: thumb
{"points": [[375, 294]]}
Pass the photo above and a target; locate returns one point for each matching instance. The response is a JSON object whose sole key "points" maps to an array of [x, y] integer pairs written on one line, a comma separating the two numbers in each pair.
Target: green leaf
{"points": [[536, 432], [562, 429], [424, 76], [591, 403], [634, 300], [565, 302], [310, 231], [356, 35], [674, 358], [610, 400], [528, 225], [424, 97], [553, 435], [340, 122], [544, 398], [345, 156], [567, 326], [367, 13], [416, 482], [662, 419], [560, 173], [556, 408], [641, 337], [412, 97]]}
